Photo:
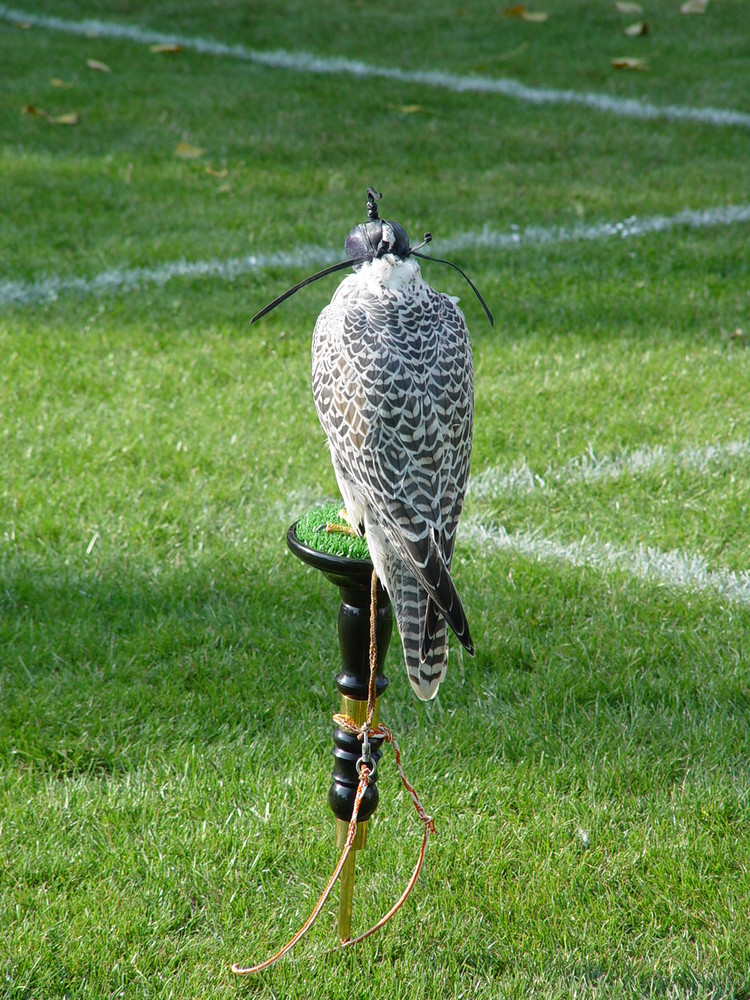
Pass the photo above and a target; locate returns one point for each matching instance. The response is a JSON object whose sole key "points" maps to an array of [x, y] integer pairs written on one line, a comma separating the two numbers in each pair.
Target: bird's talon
{"points": [[331, 528]]}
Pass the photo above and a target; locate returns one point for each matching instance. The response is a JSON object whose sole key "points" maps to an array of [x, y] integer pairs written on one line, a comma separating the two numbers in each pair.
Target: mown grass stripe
{"points": [[681, 570], [305, 62], [119, 280], [590, 468]]}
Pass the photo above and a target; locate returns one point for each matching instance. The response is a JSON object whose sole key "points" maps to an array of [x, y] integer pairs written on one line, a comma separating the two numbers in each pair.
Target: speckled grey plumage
{"points": [[393, 383]]}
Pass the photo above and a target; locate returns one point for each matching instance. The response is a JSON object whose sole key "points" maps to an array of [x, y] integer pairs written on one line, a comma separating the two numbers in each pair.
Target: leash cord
{"points": [[366, 771]]}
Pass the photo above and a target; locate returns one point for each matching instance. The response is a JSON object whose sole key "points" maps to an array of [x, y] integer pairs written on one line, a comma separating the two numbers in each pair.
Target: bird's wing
{"points": [[393, 386]]}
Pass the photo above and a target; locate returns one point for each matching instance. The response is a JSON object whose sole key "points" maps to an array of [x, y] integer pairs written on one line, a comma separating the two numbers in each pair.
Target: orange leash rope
{"points": [[429, 825], [364, 781], [365, 776], [373, 647]]}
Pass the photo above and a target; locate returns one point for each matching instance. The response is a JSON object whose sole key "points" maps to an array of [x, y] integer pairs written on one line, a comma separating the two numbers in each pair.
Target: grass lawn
{"points": [[166, 666]]}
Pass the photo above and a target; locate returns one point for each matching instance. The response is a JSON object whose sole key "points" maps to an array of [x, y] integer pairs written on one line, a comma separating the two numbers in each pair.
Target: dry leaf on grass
{"points": [[519, 11], [166, 48], [70, 118], [100, 67], [406, 109], [22, 25], [694, 7], [60, 84], [217, 173], [625, 62], [735, 334], [634, 30], [186, 151], [629, 8]]}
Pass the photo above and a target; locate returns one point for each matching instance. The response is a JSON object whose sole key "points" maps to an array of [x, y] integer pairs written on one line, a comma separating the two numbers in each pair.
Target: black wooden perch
{"points": [[353, 578]]}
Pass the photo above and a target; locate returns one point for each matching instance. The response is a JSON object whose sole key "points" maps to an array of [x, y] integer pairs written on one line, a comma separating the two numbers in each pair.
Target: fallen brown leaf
{"points": [[71, 118], [22, 25], [694, 7], [737, 335], [634, 30], [100, 67], [406, 109], [166, 48], [526, 15], [217, 173], [188, 152], [629, 8], [625, 62]]}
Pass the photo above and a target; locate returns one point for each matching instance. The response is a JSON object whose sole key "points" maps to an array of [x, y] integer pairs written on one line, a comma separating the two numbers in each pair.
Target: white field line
{"points": [[674, 569], [307, 63], [47, 289], [625, 229], [494, 483], [126, 279]]}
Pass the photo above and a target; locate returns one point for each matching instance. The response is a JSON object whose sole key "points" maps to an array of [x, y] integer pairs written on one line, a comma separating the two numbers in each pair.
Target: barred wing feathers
{"points": [[393, 387]]}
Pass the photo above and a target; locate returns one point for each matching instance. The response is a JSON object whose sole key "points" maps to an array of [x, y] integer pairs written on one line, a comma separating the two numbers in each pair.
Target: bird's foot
{"points": [[338, 529], [331, 528]]}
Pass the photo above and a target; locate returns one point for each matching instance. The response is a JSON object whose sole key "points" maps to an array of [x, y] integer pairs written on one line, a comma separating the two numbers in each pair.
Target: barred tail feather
{"points": [[410, 602], [425, 602], [426, 561]]}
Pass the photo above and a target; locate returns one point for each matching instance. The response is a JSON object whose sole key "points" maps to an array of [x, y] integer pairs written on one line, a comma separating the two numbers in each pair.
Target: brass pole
{"points": [[357, 711]]}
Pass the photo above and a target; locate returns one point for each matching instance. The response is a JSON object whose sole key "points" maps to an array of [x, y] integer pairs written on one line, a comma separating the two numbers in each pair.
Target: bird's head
{"points": [[370, 241]]}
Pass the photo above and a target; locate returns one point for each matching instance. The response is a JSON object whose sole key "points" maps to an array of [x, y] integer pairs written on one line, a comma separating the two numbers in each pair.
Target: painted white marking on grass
{"points": [[675, 569], [305, 62], [590, 468], [626, 229], [114, 280]]}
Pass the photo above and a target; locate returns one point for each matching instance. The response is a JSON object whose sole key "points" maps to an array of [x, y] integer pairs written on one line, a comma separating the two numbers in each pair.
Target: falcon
{"points": [[393, 385]]}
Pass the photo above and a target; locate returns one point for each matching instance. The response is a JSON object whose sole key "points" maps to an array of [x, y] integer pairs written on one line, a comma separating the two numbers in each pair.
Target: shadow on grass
{"points": [[102, 669]]}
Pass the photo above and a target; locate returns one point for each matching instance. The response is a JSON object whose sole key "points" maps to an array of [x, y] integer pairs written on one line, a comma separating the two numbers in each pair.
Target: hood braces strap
{"points": [[372, 212]]}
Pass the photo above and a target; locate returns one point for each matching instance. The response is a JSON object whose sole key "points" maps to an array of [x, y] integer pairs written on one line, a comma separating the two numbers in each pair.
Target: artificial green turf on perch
{"points": [[310, 532]]}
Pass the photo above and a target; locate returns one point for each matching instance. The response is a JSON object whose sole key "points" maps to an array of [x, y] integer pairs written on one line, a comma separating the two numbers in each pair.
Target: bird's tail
{"points": [[410, 603], [425, 600], [426, 561]]}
